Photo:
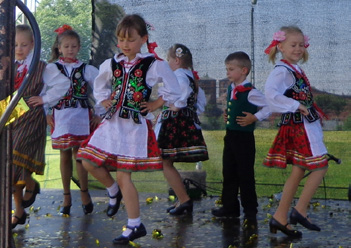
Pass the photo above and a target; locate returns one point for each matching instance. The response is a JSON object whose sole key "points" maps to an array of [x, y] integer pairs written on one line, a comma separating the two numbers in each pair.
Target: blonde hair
{"points": [[287, 30], [25, 29]]}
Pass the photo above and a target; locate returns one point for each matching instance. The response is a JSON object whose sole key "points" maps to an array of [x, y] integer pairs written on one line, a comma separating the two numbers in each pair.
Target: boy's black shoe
{"points": [[222, 212]]}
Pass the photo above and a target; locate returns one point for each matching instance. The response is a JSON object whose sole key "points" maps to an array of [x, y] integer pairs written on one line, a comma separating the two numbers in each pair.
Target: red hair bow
{"points": [[62, 29], [151, 47], [273, 44], [196, 75]]}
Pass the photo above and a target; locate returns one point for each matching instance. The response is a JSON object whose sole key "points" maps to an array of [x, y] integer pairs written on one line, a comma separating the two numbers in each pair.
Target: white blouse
{"points": [[258, 99], [159, 72], [279, 80], [57, 84]]}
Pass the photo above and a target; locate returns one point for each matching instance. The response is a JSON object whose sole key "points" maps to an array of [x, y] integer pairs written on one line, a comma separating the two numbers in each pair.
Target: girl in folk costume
{"points": [[29, 131], [125, 140], [179, 133], [66, 90], [300, 138]]}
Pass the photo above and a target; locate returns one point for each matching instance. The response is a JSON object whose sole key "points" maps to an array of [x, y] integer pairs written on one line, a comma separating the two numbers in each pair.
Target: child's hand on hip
{"points": [[303, 109], [35, 101], [246, 120]]}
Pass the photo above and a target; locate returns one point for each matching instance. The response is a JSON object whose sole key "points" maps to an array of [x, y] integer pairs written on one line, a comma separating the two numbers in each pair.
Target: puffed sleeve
{"points": [[257, 98], [160, 72], [201, 101], [102, 83], [184, 83], [55, 85], [279, 80]]}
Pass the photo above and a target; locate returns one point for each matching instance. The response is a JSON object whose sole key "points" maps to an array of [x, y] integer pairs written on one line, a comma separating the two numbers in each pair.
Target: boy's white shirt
{"points": [[257, 98]]}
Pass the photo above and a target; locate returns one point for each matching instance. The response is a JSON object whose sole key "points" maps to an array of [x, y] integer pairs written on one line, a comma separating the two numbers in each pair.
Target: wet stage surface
{"points": [[46, 228]]}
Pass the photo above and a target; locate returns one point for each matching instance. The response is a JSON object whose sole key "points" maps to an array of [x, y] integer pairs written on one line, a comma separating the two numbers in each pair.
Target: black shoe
{"points": [[296, 217], [172, 207], [137, 232], [274, 225], [87, 209], [113, 209], [20, 220], [28, 203], [186, 206], [66, 210], [222, 212]]}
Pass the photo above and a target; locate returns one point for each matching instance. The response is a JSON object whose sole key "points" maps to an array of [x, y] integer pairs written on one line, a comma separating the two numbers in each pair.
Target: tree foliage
{"points": [[52, 14], [331, 104]]}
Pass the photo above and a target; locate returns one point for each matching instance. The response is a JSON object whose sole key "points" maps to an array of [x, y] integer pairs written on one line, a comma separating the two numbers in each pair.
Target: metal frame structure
{"points": [[7, 37]]}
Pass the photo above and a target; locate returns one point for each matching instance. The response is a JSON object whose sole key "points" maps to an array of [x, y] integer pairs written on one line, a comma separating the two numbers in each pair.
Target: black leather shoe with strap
{"points": [[274, 225], [296, 217], [137, 232], [88, 208], [113, 209], [34, 192], [66, 210]]}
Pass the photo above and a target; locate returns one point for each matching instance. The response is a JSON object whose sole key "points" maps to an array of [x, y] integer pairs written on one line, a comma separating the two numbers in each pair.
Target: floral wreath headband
{"points": [[279, 37], [62, 29]]}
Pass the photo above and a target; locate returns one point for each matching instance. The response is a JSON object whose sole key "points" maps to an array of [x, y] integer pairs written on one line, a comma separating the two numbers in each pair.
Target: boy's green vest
{"points": [[236, 107]]}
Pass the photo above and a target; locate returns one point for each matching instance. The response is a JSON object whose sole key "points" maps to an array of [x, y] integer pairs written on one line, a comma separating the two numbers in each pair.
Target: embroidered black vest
{"points": [[301, 92], [189, 110], [129, 90], [77, 92]]}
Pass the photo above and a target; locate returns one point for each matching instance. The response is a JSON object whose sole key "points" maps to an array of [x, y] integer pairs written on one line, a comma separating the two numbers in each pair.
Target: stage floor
{"points": [[46, 228]]}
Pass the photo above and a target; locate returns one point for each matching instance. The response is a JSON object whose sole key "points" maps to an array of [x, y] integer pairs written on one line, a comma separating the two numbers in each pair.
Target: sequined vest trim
{"points": [[77, 92], [300, 91], [129, 90]]}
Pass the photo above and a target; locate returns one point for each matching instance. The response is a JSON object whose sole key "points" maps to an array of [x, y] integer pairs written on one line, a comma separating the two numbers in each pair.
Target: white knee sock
{"points": [[132, 223], [112, 191]]}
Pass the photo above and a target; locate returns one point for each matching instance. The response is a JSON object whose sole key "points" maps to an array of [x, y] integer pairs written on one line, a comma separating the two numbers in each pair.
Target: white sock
{"points": [[112, 191], [132, 223]]}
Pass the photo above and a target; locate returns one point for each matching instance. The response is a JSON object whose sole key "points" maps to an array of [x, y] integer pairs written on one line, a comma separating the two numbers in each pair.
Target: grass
{"points": [[269, 181]]}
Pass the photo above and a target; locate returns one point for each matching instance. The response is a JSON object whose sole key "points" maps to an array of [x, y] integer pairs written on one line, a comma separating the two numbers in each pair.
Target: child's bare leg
{"points": [[100, 173], [83, 179], [311, 185], [175, 181], [289, 191], [66, 175], [17, 197], [130, 194], [30, 186]]}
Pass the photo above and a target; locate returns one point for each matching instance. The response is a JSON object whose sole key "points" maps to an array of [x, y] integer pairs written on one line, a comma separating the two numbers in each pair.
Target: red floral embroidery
{"points": [[117, 73], [302, 95], [137, 96], [138, 73]]}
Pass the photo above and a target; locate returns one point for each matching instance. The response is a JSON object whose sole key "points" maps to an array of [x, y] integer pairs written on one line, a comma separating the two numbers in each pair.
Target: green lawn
{"points": [[338, 176]]}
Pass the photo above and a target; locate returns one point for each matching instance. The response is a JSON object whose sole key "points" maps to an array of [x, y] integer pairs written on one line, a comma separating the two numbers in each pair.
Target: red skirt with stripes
{"points": [[291, 146]]}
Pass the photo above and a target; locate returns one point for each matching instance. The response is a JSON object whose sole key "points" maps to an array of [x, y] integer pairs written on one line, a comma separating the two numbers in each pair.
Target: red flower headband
{"points": [[279, 37], [62, 29]]}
